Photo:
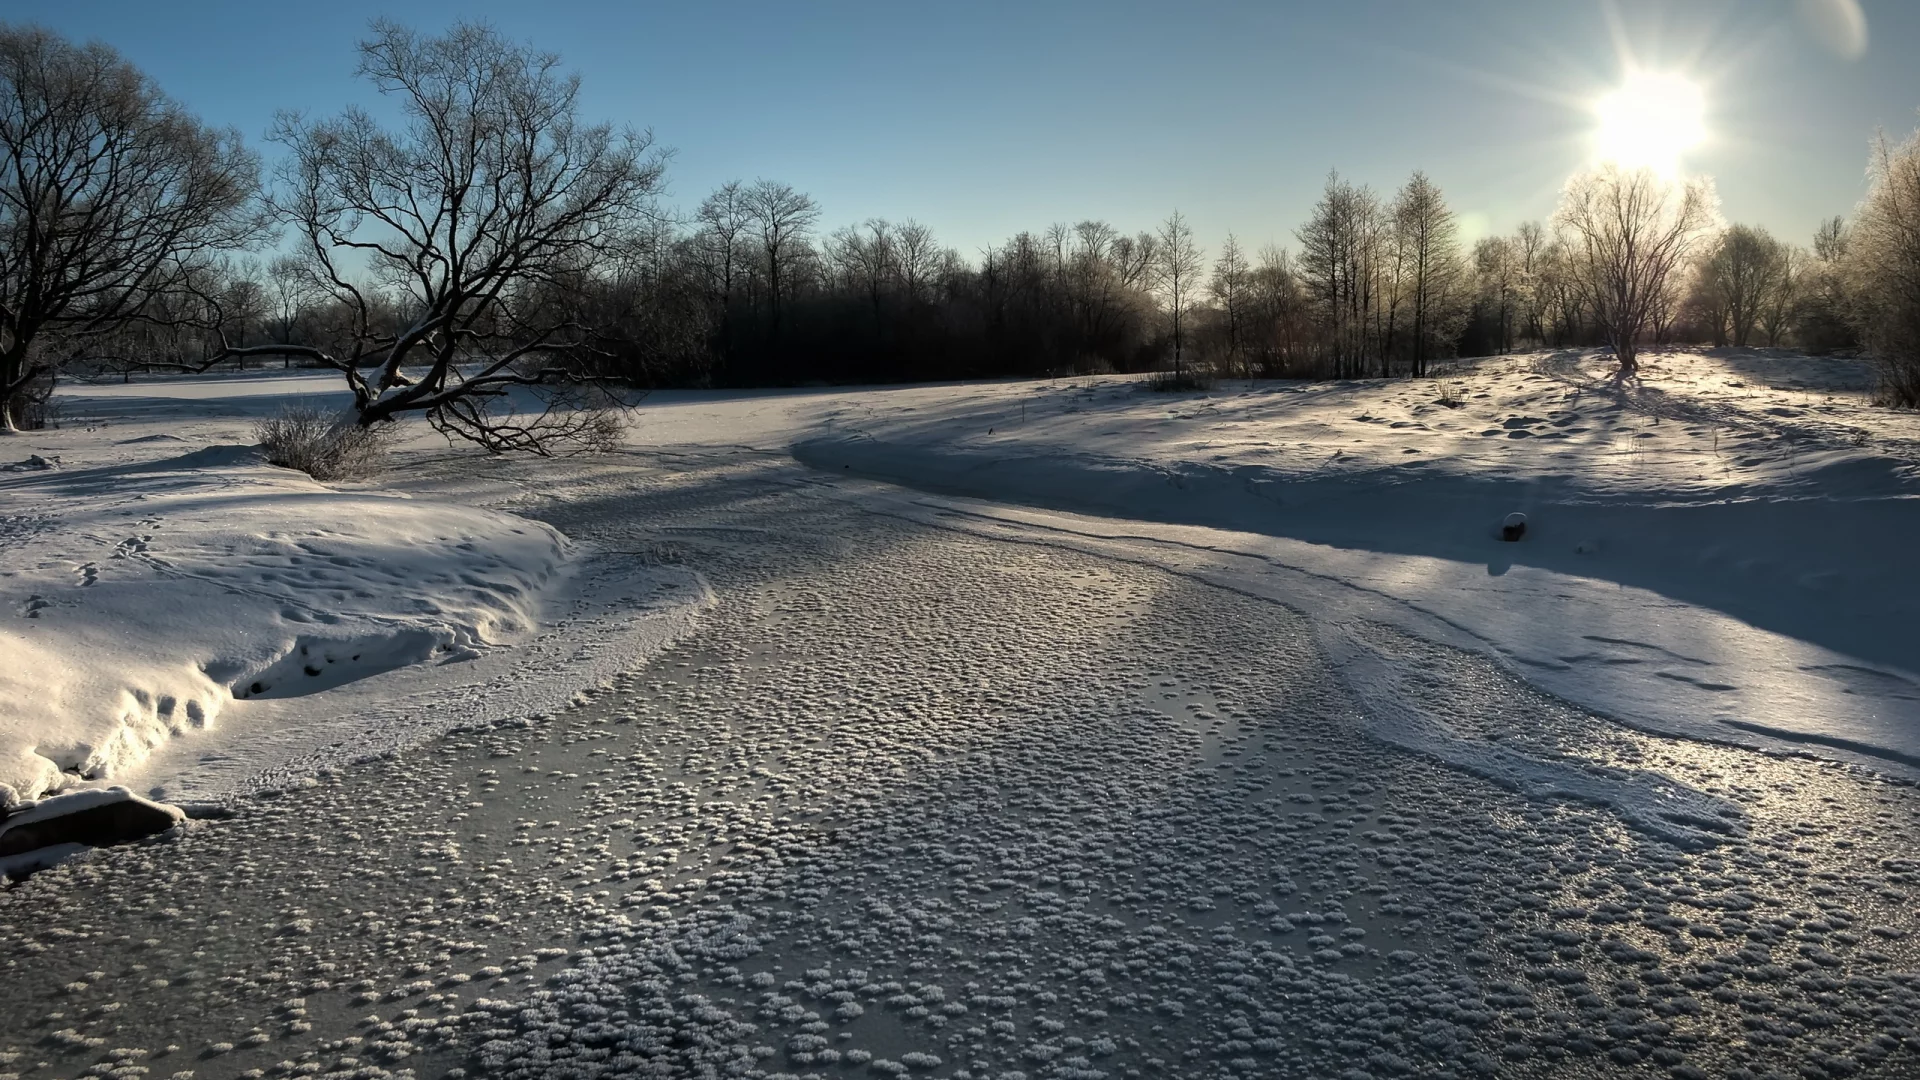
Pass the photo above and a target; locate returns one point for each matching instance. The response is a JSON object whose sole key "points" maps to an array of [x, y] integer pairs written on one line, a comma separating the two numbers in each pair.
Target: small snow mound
{"points": [[1513, 527], [98, 817]]}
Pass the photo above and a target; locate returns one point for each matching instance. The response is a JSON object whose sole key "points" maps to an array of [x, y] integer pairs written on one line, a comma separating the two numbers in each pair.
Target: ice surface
{"points": [[1712, 551], [929, 782], [38, 859], [1409, 709]]}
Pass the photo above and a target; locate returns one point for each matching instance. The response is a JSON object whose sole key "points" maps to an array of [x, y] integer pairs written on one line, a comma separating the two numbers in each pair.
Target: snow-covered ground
{"points": [[1059, 730], [1720, 551], [942, 789], [163, 583]]}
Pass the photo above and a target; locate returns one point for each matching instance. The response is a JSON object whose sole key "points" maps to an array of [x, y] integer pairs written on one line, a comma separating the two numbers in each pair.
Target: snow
{"points": [[171, 585], [1702, 556], [74, 802], [1714, 552], [978, 790], [20, 857], [32, 862]]}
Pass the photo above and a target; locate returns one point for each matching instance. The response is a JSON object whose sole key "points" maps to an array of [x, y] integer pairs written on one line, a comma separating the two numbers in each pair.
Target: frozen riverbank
{"points": [[186, 619], [1097, 817]]}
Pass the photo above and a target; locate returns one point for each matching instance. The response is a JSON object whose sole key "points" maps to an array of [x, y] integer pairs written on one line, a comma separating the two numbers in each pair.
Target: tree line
{"points": [[495, 241]]}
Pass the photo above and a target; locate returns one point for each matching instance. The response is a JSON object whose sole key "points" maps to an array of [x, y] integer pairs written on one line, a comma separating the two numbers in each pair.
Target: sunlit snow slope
{"points": [[1719, 550]]}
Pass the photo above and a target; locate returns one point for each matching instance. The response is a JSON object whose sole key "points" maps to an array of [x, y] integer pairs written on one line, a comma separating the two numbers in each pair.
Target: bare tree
{"points": [[1177, 272], [240, 305], [288, 296], [491, 199], [1339, 254], [1628, 232], [1830, 239], [1229, 286], [917, 258], [866, 258], [1430, 238], [723, 220], [1277, 310], [112, 195], [782, 217]]}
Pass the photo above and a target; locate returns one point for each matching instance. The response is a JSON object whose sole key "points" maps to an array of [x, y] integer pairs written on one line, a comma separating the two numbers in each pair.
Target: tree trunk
{"points": [[14, 379]]}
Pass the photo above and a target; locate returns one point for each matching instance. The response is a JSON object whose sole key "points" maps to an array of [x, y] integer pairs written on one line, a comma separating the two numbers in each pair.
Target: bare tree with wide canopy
{"points": [[112, 199], [491, 199], [1628, 233]]}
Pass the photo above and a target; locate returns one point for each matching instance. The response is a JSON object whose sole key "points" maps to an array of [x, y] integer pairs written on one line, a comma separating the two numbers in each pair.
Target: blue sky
{"points": [[984, 118]]}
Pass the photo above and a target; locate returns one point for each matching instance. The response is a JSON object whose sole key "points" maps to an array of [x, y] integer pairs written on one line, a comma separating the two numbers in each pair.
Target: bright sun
{"points": [[1650, 121]]}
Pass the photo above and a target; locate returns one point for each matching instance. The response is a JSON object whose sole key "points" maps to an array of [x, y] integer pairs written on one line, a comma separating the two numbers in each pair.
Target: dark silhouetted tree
{"points": [[112, 199], [492, 199]]}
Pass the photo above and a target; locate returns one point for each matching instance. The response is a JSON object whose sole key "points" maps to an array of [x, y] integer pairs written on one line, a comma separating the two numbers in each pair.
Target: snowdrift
{"points": [[161, 597]]}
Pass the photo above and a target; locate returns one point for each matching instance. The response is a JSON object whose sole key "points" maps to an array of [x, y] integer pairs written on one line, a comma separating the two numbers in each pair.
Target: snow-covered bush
{"points": [[325, 446]]}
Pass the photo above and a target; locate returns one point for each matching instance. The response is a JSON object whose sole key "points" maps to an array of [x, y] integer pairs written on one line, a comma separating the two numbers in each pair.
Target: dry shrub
{"points": [[324, 445], [603, 431], [1174, 382]]}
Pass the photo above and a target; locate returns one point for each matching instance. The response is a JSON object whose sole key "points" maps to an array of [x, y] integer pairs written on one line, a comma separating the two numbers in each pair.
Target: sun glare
{"points": [[1650, 121]]}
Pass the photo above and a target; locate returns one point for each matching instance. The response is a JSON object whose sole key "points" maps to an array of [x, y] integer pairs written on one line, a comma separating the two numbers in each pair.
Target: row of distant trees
{"points": [[495, 240]]}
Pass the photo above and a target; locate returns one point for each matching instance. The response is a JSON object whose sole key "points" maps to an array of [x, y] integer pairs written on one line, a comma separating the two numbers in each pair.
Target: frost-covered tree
{"points": [[1743, 272], [1279, 330], [112, 198], [1630, 234], [1778, 308], [1498, 273], [489, 201], [1882, 266], [1339, 268], [1822, 315], [1532, 249]]}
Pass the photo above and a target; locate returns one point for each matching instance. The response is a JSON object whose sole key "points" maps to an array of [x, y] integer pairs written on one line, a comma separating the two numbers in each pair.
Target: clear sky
{"points": [[984, 118]]}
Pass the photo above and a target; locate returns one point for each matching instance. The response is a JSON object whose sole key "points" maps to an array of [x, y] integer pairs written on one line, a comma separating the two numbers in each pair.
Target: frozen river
{"points": [[923, 796]]}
